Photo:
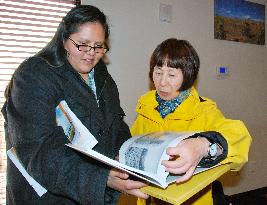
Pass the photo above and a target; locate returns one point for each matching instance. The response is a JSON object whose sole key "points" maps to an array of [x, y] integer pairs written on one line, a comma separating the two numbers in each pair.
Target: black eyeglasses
{"points": [[87, 48]]}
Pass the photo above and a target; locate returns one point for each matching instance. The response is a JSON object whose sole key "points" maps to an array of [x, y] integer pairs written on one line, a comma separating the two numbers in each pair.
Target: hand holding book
{"points": [[186, 157], [120, 180]]}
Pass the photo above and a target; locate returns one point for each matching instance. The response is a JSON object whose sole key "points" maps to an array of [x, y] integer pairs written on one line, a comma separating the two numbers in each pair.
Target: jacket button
{"points": [[100, 133]]}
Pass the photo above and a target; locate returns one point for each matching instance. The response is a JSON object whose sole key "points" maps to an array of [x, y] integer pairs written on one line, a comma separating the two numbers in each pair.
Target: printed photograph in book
{"points": [[64, 121], [143, 149], [146, 152]]}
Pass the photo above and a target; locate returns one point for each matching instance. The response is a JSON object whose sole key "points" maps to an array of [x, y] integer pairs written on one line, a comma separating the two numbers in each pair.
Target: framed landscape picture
{"points": [[239, 20]]}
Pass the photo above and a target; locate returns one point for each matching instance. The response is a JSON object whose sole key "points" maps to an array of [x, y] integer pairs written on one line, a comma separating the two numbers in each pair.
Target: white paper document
{"points": [[40, 190]]}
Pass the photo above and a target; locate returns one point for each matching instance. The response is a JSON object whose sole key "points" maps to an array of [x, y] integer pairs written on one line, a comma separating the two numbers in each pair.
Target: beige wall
{"points": [[136, 30]]}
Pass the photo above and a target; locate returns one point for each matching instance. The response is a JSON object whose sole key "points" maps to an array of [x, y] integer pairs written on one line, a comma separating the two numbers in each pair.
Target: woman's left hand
{"points": [[119, 180], [185, 157]]}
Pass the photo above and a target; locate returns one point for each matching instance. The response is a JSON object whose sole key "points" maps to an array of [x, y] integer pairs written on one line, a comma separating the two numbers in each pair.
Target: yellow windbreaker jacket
{"points": [[195, 114]]}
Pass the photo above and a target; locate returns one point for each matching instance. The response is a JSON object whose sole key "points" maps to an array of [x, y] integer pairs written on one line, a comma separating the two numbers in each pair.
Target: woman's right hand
{"points": [[188, 154], [120, 181]]}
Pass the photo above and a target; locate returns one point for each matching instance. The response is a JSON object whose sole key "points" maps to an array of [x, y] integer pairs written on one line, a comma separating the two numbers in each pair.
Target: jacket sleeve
{"points": [[40, 143], [217, 138], [234, 132]]}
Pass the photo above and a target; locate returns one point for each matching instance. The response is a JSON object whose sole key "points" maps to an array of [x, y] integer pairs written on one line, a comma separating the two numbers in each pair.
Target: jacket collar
{"points": [[189, 109], [76, 90], [68, 73], [102, 80]]}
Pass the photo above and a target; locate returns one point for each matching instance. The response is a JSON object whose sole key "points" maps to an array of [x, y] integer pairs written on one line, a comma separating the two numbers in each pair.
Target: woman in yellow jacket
{"points": [[176, 106]]}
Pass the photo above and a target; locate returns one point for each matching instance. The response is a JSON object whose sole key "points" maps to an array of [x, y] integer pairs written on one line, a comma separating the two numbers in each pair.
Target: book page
{"points": [[152, 178], [73, 128], [40, 190], [146, 152]]}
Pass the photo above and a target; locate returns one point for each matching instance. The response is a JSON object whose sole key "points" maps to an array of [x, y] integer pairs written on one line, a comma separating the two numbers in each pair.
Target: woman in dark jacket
{"points": [[69, 68]]}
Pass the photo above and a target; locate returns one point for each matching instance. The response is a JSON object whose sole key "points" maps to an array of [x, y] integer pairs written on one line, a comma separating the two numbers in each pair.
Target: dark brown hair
{"points": [[178, 54]]}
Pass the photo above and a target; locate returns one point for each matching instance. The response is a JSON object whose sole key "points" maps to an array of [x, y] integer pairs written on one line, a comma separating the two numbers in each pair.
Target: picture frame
{"points": [[240, 21]]}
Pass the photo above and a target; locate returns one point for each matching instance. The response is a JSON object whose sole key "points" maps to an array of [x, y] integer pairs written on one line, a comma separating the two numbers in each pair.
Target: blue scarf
{"points": [[166, 107]]}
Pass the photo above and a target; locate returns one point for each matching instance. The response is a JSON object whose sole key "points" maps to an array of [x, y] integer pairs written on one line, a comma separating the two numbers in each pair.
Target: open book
{"points": [[139, 156]]}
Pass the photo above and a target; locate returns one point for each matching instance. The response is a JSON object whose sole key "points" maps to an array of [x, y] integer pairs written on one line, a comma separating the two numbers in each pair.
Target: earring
{"points": [[67, 53]]}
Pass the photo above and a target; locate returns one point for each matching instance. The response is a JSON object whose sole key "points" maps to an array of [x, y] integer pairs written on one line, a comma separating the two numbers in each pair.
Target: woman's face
{"points": [[91, 34], [167, 81]]}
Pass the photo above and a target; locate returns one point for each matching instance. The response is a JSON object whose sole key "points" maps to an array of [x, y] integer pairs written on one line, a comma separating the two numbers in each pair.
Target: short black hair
{"points": [[178, 54]]}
